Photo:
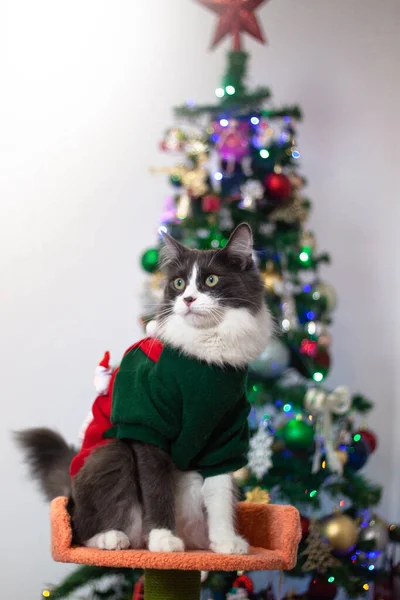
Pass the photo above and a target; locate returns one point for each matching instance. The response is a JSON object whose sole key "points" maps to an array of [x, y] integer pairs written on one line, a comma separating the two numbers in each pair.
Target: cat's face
{"points": [[202, 285]]}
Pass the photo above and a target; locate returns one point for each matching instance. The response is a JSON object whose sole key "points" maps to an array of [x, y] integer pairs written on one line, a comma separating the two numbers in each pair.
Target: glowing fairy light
{"points": [[264, 153], [230, 90], [218, 176], [254, 120], [220, 93], [224, 122], [318, 377]]}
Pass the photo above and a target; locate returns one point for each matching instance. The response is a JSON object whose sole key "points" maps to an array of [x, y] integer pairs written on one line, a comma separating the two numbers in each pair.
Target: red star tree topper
{"points": [[235, 17]]}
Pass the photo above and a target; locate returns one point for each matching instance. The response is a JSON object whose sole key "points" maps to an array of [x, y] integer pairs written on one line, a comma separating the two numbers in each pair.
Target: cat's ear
{"points": [[171, 251], [240, 244]]}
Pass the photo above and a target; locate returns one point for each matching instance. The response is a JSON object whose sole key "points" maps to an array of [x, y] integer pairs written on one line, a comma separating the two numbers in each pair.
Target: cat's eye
{"points": [[179, 284], [212, 280]]}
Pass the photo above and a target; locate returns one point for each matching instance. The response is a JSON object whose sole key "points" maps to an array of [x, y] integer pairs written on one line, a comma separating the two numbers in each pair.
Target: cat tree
{"points": [[273, 532]]}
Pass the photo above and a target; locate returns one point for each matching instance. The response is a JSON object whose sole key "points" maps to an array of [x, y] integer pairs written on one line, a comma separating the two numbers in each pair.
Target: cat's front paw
{"points": [[109, 540], [230, 545], [163, 540]]}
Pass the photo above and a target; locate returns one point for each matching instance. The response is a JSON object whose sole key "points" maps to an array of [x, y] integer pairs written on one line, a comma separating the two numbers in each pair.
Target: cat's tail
{"points": [[48, 457]]}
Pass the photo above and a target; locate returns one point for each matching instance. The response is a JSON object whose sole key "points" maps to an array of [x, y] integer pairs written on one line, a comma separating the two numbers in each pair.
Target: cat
{"points": [[130, 493]]}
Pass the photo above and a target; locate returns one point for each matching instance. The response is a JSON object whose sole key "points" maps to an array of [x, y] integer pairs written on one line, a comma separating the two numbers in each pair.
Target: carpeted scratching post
{"points": [[273, 532]]}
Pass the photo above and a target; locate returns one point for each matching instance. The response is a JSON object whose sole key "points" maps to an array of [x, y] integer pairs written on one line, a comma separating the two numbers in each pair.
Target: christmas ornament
{"points": [[321, 589], [327, 291], [295, 212], [341, 531], [251, 191], [277, 186], [315, 367], [322, 406], [259, 456], [273, 281], [233, 143], [298, 435], [369, 438], [173, 140], [373, 536], [149, 260], [235, 17], [138, 590], [305, 526], [196, 146], [211, 203], [193, 178], [183, 207], [241, 476], [102, 375], [318, 552], [358, 453], [258, 495], [243, 581], [273, 361]]}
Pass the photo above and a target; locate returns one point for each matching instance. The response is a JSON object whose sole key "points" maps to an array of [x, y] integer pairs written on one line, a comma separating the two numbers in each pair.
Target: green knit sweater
{"points": [[195, 411]]}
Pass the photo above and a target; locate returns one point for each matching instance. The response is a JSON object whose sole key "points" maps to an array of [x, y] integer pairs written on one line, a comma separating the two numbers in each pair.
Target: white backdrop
{"points": [[86, 92]]}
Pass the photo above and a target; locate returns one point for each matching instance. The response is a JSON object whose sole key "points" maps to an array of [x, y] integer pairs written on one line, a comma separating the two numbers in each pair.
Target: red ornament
{"points": [[305, 527], [138, 590], [369, 438], [243, 581], [321, 589], [211, 203], [235, 17], [277, 185]]}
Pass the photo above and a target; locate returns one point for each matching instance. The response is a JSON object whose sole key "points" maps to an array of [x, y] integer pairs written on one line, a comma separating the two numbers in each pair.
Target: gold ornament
{"points": [[183, 207], [258, 495], [342, 456], [241, 476], [193, 179], [340, 530], [294, 212], [273, 280]]}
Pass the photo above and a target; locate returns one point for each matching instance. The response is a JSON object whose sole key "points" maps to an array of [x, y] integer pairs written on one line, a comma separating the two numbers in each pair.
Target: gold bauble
{"points": [[272, 279], [341, 531], [241, 476], [342, 456]]}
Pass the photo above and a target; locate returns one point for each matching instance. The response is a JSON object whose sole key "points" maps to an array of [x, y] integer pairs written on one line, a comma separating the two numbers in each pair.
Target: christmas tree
{"points": [[238, 160]]}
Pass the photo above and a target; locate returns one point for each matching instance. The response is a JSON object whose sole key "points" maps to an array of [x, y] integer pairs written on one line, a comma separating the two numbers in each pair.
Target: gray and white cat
{"points": [[130, 494]]}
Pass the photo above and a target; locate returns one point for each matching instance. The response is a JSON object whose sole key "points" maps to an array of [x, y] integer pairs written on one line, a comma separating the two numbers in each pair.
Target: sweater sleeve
{"points": [[146, 405]]}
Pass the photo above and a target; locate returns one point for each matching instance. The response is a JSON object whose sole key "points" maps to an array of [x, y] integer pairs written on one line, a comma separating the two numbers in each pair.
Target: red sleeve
{"points": [[97, 427]]}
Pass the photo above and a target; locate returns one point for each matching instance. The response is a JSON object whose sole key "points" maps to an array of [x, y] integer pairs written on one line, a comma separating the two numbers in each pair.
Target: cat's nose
{"points": [[189, 300]]}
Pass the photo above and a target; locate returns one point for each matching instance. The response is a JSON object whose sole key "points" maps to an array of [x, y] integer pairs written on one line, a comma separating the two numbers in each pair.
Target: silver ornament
{"points": [[273, 360], [376, 533]]}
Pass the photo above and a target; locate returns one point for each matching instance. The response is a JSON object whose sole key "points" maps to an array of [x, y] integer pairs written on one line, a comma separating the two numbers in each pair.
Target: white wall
{"points": [[86, 91]]}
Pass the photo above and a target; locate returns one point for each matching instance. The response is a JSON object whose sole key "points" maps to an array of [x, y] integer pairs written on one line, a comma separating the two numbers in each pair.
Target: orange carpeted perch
{"points": [[272, 531]]}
